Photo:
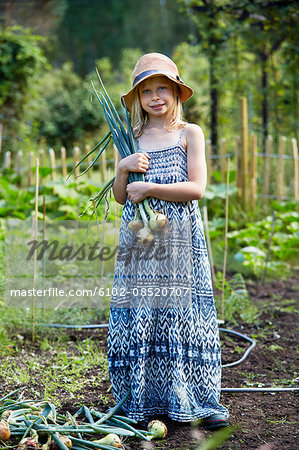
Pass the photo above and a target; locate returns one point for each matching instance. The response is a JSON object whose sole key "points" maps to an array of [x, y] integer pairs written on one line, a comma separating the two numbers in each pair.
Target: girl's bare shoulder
{"points": [[193, 134], [192, 129]]}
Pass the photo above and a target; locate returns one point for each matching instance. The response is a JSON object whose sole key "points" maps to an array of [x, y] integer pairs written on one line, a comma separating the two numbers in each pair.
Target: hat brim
{"points": [[185, 91]]}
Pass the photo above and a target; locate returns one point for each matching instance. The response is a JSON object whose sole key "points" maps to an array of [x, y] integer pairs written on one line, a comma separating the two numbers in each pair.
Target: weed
{"points": [[281, 421], [275, 347], [237, 301], [59, 367]]}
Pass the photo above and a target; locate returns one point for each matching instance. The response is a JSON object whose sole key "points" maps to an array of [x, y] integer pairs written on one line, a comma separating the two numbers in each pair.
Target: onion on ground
{"points": [[110, 439], [157, 429], [4, 431], [29, 443]]}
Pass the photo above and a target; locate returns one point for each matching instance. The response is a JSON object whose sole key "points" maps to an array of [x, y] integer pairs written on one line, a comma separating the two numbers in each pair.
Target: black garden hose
{"points": [[235, 363], [253, 344]]}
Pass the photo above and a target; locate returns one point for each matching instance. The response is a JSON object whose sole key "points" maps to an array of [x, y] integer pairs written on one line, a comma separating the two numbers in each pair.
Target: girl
{"points": [[165, 352]]}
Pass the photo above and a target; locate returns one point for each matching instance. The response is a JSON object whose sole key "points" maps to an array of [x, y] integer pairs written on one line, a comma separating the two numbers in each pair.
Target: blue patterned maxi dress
{"points": [[168, 355]]}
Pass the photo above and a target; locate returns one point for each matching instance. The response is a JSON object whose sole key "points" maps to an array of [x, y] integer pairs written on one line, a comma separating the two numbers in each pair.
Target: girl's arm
{"points": [[138, 162], [193, 189]]}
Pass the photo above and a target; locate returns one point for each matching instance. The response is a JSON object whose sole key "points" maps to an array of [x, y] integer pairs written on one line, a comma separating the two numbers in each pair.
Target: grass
{"points": [[63, 367]]}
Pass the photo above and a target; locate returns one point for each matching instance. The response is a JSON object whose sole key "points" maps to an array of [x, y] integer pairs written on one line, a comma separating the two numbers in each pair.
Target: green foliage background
{"points": [[223, 50]]}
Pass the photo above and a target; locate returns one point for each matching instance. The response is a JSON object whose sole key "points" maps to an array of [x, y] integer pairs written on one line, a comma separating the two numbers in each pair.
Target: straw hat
{"points": [[155, 64]]}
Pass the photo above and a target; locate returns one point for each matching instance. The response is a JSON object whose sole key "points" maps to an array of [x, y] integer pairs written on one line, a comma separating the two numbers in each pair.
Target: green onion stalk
{"points": [[145, 219]]}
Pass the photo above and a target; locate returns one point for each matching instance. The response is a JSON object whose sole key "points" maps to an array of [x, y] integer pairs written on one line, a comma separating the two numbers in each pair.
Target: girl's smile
{"points": [[157, 96]]}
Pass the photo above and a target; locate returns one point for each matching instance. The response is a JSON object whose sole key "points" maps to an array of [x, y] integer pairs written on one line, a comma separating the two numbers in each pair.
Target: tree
{"points": [[21, 60], [65, 114], [266, 25], [212, 31], [93, 29]]}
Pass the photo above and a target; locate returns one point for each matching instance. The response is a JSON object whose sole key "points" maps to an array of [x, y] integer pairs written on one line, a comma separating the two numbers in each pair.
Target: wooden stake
{"points": [[19, 166], [35, 253], [52, 163], [30, 173], [206, 224], [209, 160], [267, 168], [239, 166], [280, 168], [63, 162], [225, 238], [115, 207], [89, 160], [223, 159], [77, 159], [252, 171], [296, 181], [244, 144], [43, 257], [7, 160]]}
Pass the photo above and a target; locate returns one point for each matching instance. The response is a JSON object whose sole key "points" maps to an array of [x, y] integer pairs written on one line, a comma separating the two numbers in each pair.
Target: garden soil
{"points": [[265, 421]]}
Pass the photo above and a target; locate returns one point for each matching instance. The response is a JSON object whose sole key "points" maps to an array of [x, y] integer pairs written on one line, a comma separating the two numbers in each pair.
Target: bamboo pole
{"points": [[209, 160], [267, 168], [252, 171], [225, 237], [35, 253], [77, 159], [89, 160], [223, 159], [280, 174], [239, 166], [115, 207], [296, 181], [244, 144], [19, 166], [30, 173], [7, 160], [52, 163], [206, 224], [43, 257], [63, 162]]}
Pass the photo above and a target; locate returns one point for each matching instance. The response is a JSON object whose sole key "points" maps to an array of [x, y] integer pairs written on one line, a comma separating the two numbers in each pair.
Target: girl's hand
{"points": [[137, 162], [138, 191]]}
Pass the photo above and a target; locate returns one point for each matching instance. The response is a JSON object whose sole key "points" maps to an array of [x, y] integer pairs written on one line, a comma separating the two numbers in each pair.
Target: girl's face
{"points": [[157, 96]]}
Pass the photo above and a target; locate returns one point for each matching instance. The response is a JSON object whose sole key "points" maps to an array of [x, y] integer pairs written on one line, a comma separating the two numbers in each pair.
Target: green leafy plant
{"points": [[237, 301], [252, 244]]}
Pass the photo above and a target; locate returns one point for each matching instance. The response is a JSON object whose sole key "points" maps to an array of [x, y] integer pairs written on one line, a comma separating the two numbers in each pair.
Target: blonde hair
{"points": [[139, 117]]}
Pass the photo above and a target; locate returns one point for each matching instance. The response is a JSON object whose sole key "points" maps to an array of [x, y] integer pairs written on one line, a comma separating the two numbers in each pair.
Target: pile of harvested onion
{"points": [[37, 425]]}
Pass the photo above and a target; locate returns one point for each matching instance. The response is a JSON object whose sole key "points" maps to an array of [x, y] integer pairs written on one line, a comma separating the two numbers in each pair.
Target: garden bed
{"points": [[73, 371]]}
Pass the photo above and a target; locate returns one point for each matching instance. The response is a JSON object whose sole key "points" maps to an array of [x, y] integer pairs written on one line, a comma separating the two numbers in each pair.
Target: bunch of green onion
{"points": [[37, 425], [145, 220]]}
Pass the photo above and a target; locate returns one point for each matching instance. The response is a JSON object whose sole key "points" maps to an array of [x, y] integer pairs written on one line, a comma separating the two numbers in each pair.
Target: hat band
{"points": [[146, 73]]}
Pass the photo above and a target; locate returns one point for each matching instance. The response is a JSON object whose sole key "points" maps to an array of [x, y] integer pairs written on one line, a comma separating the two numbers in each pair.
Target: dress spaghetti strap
{"points": [[181, 135]]}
